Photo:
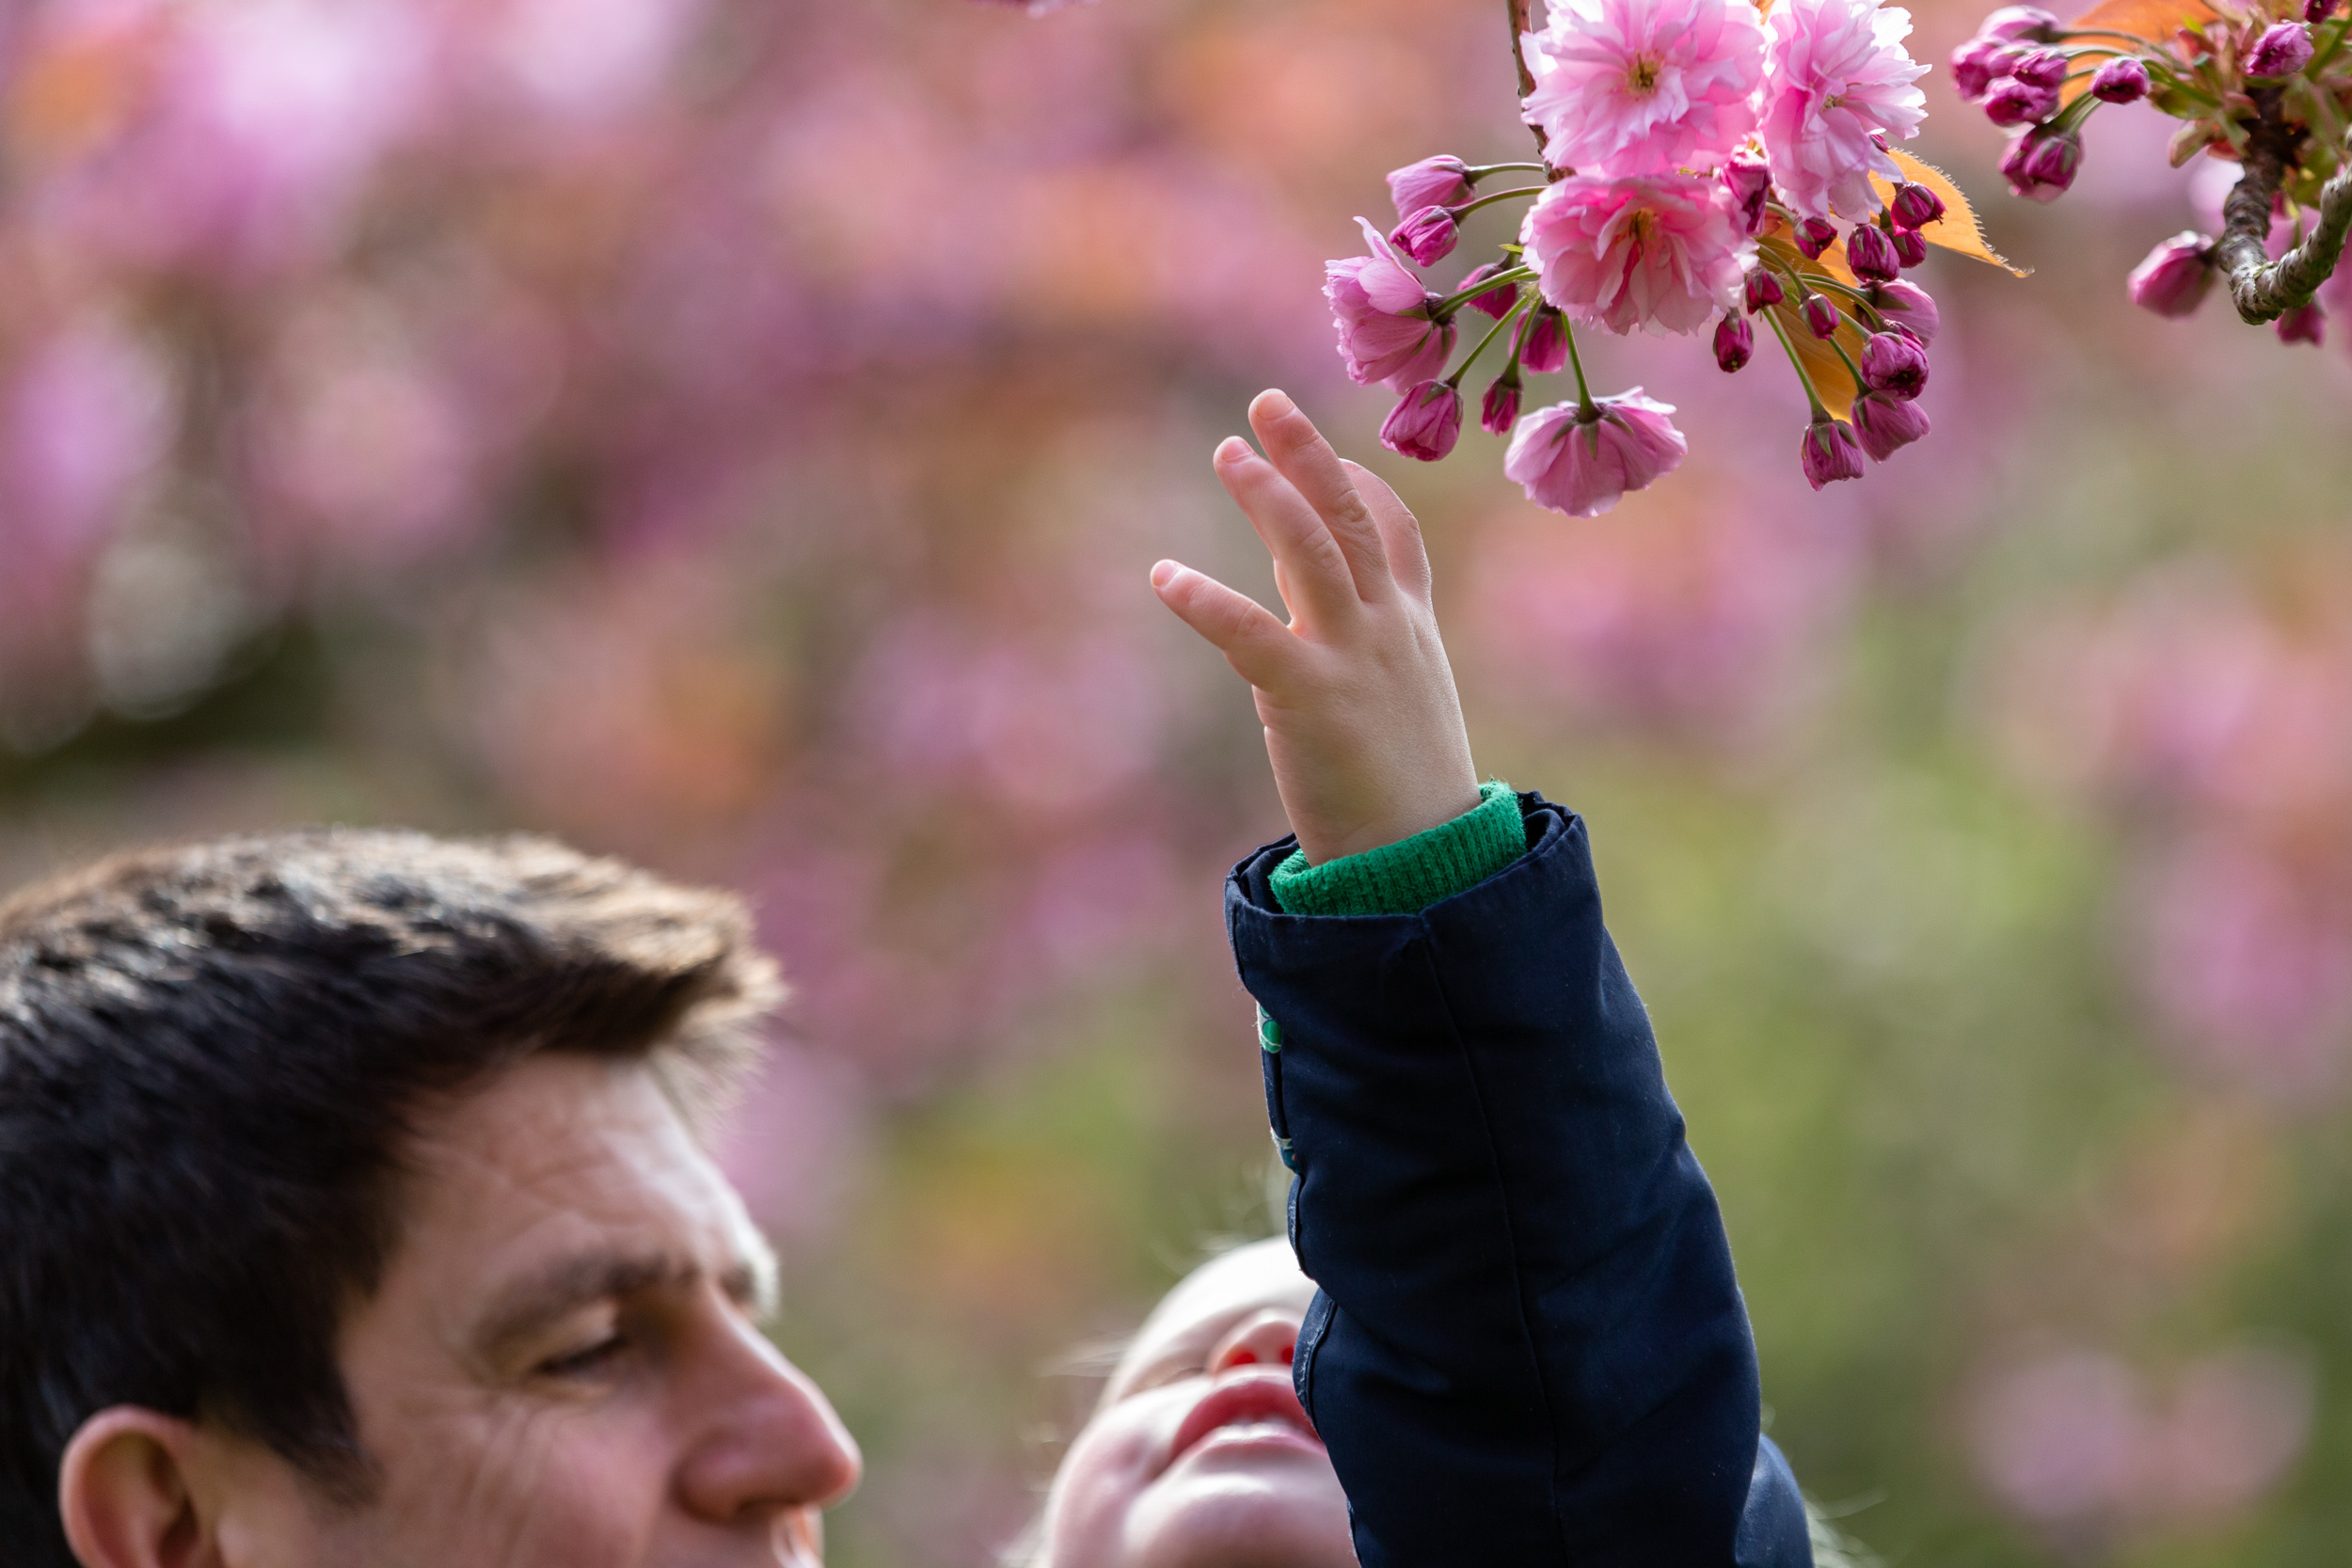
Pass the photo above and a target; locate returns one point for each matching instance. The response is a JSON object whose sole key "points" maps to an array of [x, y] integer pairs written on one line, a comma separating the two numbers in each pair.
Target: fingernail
{"points": [[1275, 403], [1164, 574], [1232, 449]]}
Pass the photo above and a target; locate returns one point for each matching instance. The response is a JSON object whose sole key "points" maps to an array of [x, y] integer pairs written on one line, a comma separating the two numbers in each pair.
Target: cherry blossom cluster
{"points": [[2264, 86], [1700, 163]]}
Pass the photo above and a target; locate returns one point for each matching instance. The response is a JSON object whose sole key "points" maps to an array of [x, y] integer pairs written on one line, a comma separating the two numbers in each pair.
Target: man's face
{"points": [[563, 1368], [1199, 1455]]}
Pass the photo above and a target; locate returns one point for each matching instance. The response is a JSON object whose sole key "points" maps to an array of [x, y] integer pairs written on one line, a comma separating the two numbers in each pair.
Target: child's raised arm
{"points": [[1528, 1345]]}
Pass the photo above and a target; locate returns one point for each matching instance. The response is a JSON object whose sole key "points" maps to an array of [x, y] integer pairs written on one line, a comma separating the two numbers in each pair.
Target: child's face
{"points": [[1199, 1455]]}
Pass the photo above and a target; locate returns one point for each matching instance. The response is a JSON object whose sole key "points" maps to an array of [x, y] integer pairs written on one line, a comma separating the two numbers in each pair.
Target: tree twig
{"points": [[2264, 290], [1521, 23]]}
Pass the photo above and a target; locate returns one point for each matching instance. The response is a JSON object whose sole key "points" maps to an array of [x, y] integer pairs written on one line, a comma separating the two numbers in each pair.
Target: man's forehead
{"points": [[568, 1157]]}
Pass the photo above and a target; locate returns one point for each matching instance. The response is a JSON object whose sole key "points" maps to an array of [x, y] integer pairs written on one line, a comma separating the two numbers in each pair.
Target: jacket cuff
{"points": [[1408, 876]]}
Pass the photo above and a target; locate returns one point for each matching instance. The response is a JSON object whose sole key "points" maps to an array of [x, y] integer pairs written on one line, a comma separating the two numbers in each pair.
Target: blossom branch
{"points": [[2264, 290], [1521, 16]]}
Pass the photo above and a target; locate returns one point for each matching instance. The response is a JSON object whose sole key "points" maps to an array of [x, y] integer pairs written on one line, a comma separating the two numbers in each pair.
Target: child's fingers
{"points": [[1316, 583], [1255, 643], [1400, 531], [1306, 459]]}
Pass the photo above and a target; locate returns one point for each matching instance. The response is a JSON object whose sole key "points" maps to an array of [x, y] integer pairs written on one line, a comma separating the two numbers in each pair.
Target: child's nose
{"points": [[1269, 1337]]}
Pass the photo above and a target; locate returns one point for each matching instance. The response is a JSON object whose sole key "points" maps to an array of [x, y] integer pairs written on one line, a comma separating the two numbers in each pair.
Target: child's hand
{"points": [[1361, 720]]}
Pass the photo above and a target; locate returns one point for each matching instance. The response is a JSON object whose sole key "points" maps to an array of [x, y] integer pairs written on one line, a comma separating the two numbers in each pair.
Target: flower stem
{"points": [[1452, 303], [2075, 113], [1469, 207], [2327, 52], [2175, 82], [1586, 410], [1455, 380], [1831, 285], [1852, 369], [1479, 171], [1820, 412]]}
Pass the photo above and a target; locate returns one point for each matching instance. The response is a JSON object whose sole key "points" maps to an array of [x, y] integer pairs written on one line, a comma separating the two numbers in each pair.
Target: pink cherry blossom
{"points": [[1642, 87], [1583, 466], [1662, 251], [1836, 78], [1382, 310]]}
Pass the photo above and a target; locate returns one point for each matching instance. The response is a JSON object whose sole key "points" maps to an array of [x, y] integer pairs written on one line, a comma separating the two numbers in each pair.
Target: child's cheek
{"points": [[1108, 1468]]}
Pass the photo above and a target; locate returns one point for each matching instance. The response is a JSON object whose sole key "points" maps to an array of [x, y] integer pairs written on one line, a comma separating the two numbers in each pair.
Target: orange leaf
{"points": [[1831, 379], [2154, 20], [1957, 229]]}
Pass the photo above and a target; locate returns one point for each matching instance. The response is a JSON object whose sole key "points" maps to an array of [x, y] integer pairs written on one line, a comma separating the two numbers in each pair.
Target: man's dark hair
{"points": [[211, 1060]]}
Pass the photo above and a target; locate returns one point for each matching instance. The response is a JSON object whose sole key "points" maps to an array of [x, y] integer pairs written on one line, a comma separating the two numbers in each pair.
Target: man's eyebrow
{"points": [[536, 1300]]}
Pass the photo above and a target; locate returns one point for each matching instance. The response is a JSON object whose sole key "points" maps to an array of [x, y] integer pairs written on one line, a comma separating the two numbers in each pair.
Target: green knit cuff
{"points": [[1408, 876]]}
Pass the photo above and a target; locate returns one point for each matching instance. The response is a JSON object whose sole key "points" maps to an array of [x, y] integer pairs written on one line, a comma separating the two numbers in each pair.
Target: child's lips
{"points": [[1251, 1396]]}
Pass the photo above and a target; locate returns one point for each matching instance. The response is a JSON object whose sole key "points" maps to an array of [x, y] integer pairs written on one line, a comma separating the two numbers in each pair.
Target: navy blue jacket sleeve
{"points": [[1528, 1346]]}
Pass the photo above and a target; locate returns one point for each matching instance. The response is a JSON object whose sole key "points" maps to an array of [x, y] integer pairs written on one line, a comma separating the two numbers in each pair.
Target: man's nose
{"points": [[767, 1438], [1268, 1336]]}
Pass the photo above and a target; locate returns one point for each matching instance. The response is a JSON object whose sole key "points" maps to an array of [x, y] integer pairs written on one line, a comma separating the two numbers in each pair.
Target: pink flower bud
{"points": [[1428, 236], [1829, 453], [1501, 407], [2305, 323], [2122, 80], [1735, 341], [1546, 346], [2284, 47], [1815, 235], [1916, 206], [1494, 302], [2015, 24], [2040, 68], [1906, 308], [1977, 64], [1885, 423], [1871, 254], [1911, 247], [1763, 289], [2041, 164], [2318, 11], [1893, 364], [2016, 103], [1442, 181], [1425, 423], [1820, 316], [2173, 280], [1750, 182]]}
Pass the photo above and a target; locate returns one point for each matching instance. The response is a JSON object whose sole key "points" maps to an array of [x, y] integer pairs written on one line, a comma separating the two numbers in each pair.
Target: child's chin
{"points": [[1277, 1510]]}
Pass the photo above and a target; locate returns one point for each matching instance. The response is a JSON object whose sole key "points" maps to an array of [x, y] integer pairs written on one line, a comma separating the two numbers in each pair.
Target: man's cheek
{"points": [[540, 1489]]}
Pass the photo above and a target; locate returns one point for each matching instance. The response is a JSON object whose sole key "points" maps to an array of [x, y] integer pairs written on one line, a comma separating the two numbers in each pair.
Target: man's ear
{"points": [[124, 1493]]}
